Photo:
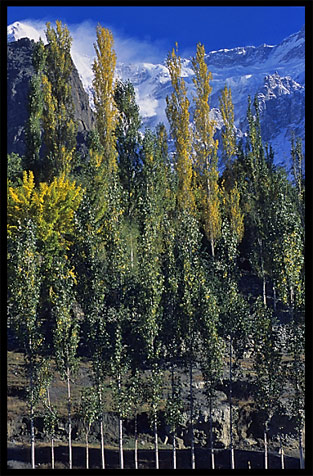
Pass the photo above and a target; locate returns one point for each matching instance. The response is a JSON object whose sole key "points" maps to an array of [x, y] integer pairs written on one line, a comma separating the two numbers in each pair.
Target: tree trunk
{"points": [[211, 438], [301, 450], [87, 451], [156, 447], [264, 289], [232, 454], [265, 448], [193, 459], [32, 428], [101, 429], [274, 297], [69, 419], [136, 442], [174, 450], [32, 436], [52, 439], [52, 453], [120, 438], [282, 462], [174, 431], [120, 428]]}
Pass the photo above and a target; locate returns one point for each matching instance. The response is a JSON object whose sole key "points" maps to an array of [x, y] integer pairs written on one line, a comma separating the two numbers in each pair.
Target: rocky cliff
{"points": [[19, 73]]}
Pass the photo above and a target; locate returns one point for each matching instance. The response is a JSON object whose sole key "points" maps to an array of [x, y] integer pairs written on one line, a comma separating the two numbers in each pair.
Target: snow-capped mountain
{"points": [[275, 73]]}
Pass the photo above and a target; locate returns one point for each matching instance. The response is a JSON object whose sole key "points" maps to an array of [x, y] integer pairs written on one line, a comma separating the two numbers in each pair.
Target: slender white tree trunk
{"points": [[87, 451], [264, 290], [52, 439], [274, 297], [120, 428], [301, 450], [156, 446], [211, 438], [193, 458], [282, 460], [120, 437], [69, 419], [32, 436], [174, 450], [136, 442], [101, 429], [265, 448], [231, 445], [52, 453]]}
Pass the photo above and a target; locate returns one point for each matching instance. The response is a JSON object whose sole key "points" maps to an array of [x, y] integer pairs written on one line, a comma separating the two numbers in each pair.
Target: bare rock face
{"points": [[19, 73]]}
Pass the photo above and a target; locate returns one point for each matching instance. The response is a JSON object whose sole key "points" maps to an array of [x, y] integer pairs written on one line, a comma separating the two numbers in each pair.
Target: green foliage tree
{"points": [[24, 309], [58, 110], [267, 366], [88, 410], [128, 143], [32, 160], [66, 331]]}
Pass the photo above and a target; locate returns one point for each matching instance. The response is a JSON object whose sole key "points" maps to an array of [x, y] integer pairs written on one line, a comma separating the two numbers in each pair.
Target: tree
{"points": [[36, 104], [173, 410], [24, 309], [66, 331], [177, 112], [206, 150], [228, 132], [103, 85], [212, 351], [58, 111], [88, 410], [268, 366], [128, 143]]}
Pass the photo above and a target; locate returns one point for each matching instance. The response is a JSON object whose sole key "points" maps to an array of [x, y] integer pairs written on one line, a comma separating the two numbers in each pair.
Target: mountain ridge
{"points": [[275, 73]]}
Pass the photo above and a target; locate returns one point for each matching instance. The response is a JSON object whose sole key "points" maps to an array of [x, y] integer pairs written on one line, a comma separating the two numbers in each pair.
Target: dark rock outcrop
{"points": [[19, 73]]}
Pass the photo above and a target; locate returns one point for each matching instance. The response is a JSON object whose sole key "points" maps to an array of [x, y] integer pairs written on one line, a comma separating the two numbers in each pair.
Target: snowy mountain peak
{"points": [[275, 73], [18, 30]]}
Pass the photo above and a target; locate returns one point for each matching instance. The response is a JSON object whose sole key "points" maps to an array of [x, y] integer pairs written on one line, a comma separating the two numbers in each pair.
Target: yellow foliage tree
{"points": [[51, 207], [206, 151], [177, 112], [103, 84]]}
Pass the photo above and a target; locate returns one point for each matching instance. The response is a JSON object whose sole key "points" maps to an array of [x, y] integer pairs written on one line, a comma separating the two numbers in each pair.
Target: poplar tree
{"points": [[228, 133], [33, 131], [58, 112], [177, 112], [66, 331], [128, 143], [149, 270], [88, 410], [24, 309], [268, 367], [103, 85], [206, 150]]}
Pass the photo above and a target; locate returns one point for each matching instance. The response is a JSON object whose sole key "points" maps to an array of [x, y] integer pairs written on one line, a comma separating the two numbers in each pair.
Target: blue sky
{"points": [[158, 28]]}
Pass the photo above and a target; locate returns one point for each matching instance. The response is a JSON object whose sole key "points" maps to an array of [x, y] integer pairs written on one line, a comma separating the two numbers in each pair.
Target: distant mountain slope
{"points": [[275, 73]]}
